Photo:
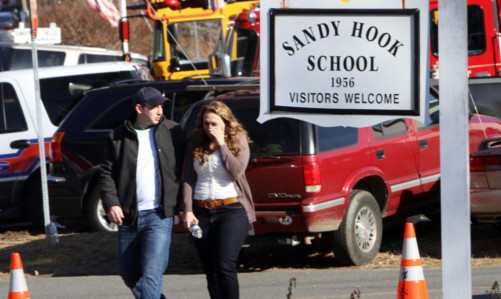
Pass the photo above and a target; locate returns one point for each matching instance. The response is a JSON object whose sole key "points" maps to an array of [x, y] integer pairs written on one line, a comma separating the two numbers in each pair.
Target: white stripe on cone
{"points": [[410, 249], [412, 273], [17, 281]]}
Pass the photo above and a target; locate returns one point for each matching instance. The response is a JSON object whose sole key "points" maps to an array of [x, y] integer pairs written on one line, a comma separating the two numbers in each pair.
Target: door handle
{"points": [[423, 144], [18, 144], [380, 154]]}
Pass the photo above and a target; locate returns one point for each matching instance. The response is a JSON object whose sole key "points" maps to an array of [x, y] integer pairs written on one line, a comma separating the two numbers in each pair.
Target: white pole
{"points": [[454, 150], [50, 231]]}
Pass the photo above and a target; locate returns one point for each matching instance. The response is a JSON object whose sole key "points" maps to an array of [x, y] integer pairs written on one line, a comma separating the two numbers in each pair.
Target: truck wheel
{"points": [[358, 239], [96, 215]]}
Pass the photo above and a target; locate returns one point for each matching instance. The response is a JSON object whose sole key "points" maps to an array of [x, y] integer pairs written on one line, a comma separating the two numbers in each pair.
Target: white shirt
{"points": [[213, 181], [147, 181]]}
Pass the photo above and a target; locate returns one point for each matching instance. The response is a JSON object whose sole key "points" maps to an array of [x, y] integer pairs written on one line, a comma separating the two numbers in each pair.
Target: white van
{"points": [[18, 56], [61, 88]]}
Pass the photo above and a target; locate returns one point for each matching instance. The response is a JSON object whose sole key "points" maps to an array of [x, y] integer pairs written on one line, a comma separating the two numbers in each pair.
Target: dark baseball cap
{"points": [[149, 95]]}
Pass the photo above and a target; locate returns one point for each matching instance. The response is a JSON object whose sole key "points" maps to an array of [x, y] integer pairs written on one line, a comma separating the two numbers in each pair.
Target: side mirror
{"points": [[175, 64], [220, 64], [172, 34]]}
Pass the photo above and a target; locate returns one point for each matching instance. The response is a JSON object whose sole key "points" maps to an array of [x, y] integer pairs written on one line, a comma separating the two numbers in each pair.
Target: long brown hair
{"points": [[201, 145]]}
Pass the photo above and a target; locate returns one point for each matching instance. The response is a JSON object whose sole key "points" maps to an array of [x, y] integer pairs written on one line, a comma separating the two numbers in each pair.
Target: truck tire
{"points": [[358, 239], [96, 215]]}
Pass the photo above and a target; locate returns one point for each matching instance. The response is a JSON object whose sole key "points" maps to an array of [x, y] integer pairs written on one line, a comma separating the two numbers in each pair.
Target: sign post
{"points": [[455, 184], [51, 236]]}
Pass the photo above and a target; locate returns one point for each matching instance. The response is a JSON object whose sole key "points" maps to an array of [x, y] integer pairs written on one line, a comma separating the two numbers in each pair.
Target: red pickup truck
{"points": [[309, 181]]}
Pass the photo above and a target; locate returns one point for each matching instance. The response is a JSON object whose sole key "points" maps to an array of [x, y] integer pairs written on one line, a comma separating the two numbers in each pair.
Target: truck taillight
{"points": [[487, 163], [477, 164], [311, 172], [55, 148], [492, 163]]}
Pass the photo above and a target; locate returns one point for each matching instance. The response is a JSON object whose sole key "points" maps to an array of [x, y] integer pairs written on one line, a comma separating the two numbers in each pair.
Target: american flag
{"points": [[107, 10]]}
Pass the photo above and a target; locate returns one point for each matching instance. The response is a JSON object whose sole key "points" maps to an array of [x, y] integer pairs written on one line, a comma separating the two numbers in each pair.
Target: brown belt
{"points": [[213, 203]]}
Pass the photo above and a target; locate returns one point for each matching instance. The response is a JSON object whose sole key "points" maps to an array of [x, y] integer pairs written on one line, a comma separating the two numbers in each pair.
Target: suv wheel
{"points": [[96, 215], [358, 239]]}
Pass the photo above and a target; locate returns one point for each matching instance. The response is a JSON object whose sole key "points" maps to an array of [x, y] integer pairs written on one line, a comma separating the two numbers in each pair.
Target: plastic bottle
{"points": [[195, 230], [52, 237]]}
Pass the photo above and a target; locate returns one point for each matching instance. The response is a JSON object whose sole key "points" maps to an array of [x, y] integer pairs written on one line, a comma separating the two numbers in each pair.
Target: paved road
{"points": [[311, 284]]}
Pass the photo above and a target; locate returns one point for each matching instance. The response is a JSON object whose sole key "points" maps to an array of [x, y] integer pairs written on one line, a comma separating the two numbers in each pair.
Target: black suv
{"points": [[78, 144]]}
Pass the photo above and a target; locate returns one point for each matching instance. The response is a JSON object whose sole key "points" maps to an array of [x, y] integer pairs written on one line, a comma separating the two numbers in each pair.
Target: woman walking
{"points": [[217, 196]]}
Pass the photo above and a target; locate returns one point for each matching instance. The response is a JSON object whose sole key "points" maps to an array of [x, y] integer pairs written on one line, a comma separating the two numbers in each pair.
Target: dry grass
{"points": [[94, 253]]}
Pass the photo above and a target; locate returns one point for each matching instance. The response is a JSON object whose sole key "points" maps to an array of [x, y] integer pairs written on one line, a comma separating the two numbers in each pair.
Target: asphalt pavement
{"points": [[311, 284]]}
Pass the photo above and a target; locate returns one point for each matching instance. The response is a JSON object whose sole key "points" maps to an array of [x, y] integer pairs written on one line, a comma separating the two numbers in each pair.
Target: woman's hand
{"points": [[216, 134], [188, 218]]}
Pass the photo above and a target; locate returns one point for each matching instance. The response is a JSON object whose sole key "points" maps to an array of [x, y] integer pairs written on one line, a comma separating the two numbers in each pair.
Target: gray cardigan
{"points": [[236, 168]]}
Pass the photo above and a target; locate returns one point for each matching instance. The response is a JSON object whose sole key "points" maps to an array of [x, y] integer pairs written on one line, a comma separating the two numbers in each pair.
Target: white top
{"points": [[147, 181], [213, 181]]}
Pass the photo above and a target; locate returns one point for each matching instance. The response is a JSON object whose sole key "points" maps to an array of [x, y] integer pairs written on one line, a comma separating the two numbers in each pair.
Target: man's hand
{"points": [[115, 215]]}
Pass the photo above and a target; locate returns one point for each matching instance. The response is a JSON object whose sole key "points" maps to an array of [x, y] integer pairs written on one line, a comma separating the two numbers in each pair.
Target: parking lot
{"points": [[87, 253]]}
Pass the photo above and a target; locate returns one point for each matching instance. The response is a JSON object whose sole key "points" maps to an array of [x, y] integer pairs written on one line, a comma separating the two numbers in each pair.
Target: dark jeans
{"points": [[143, 253], [224, 232]]}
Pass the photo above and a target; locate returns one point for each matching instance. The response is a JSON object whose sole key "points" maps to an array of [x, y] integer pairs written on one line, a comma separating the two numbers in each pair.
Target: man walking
{"points": [[140, 175]]}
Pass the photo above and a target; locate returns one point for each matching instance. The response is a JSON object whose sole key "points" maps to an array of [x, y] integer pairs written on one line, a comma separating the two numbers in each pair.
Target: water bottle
{"points": [[52, 237], [195, 230]]}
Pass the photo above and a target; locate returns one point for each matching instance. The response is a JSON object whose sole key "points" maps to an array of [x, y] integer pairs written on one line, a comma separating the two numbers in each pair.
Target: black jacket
{"points": [[118, 168]]}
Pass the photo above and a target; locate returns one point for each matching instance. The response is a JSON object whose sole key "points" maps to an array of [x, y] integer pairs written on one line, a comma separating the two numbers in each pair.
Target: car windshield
{"points": [[275, 137]]}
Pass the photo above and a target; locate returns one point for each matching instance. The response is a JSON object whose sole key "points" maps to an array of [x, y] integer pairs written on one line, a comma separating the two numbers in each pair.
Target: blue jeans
{"points": [[143, 253], [224, 230]]}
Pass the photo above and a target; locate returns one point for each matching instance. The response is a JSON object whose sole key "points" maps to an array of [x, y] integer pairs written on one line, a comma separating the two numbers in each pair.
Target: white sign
{"points": [[356, 62], [48, 36], [326, 61]]}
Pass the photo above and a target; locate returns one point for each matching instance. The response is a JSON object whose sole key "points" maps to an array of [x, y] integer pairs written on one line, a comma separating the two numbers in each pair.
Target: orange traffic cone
{"points": [[18, 287], [411, 284]]}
